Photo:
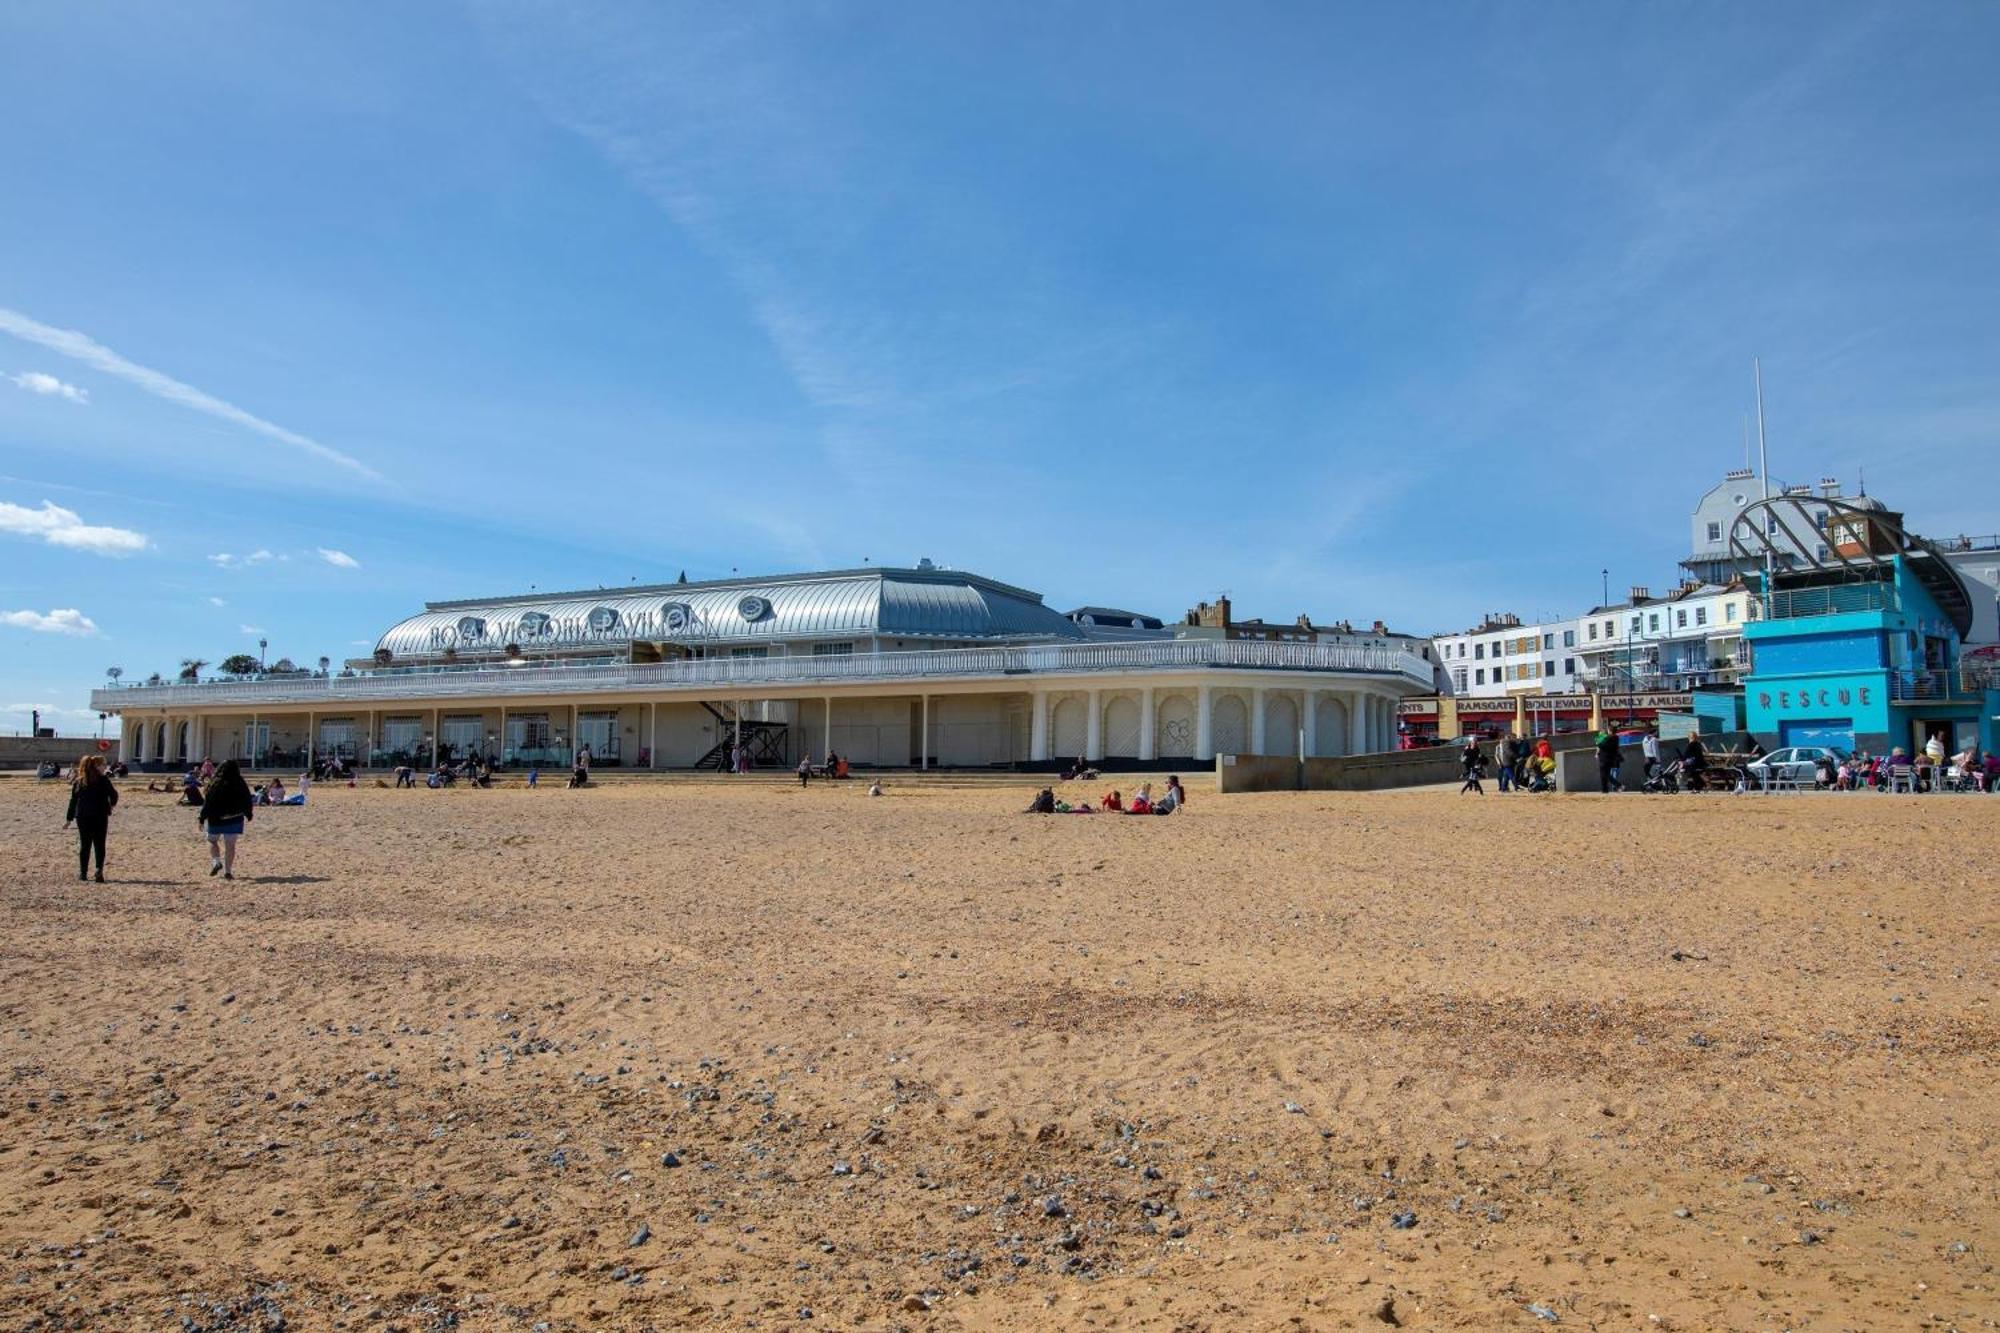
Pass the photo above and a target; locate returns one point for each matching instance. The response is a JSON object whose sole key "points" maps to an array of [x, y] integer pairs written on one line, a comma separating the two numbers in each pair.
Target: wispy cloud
{"points": [[41, 382], [69, 621], [82, 347], [217, 601], [227, 560], [338, 559], [64, 527], [250, 629]]}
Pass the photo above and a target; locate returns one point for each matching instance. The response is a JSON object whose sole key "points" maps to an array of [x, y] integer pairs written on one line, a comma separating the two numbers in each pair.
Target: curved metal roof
{"points": [[906, 604]]}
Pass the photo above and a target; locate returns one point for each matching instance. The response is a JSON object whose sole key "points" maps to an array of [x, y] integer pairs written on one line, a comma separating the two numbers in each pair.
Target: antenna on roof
{"points": [[683, 578], [1862, 473]]}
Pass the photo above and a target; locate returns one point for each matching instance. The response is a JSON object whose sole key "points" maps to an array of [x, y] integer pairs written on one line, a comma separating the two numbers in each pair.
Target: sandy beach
{"points": [[695, 1054]]}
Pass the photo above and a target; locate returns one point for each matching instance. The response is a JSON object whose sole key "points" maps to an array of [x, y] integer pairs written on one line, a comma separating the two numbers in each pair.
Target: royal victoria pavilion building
{"points": [[914, 667]]}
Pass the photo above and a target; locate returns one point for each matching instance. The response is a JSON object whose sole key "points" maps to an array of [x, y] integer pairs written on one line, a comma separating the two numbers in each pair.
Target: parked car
{"points": [[1798, 763]]}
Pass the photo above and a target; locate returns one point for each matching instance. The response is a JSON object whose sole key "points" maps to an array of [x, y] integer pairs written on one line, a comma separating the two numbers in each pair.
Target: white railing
{"points": [[739, 672]]}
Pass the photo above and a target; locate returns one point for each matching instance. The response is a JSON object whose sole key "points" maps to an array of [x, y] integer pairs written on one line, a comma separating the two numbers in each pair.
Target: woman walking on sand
{"points": [[224, 811], [91, 801]]}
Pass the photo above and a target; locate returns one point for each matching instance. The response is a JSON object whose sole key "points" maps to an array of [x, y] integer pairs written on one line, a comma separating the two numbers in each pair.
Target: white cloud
{"points": [[62, 527], [82, 347], [69, 621], [16, 717], [36, 381], [229, 561], [250, 629], [340, 559], [217, 601]]}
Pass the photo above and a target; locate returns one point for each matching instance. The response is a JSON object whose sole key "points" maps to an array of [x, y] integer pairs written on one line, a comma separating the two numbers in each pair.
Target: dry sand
{"points": [[1683, 1063]]}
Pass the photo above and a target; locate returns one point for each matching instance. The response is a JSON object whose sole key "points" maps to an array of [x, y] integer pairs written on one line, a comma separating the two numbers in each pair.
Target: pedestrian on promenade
{"points": [[1607, 761], [1473, 764], [1506, 755], [91, 801]]}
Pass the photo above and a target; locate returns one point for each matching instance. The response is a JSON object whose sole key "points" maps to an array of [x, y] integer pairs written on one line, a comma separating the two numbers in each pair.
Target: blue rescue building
{"points": [[1859, 643]]}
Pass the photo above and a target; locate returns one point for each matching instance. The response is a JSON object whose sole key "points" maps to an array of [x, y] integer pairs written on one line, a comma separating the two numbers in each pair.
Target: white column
{"points": [[924, 735], [1093, 732], [574, 747], [1258, 739], [1308, 723], [653, 734], [1146, 723], [1357, 724], [500, 744], [1038, 726], [1204, 730], [829, 728]]}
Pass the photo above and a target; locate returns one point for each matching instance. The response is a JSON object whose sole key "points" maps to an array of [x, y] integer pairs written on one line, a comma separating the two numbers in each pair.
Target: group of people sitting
{"points": [[1930, 769], [1143, 802], [834, 767], [274, 793]]}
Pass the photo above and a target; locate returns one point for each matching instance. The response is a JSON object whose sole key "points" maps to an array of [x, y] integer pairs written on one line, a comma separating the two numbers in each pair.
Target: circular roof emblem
{"points": [[534, 625], [603, 619], [471, 627], [753, 608], [675, 615]]}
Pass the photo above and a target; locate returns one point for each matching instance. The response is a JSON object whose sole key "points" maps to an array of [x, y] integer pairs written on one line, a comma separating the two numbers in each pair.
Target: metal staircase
{"points": [[766, 741]]}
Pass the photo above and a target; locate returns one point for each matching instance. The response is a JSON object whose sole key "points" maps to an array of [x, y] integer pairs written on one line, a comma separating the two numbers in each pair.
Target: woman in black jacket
{"points": [[91, 800], [224, 811]]}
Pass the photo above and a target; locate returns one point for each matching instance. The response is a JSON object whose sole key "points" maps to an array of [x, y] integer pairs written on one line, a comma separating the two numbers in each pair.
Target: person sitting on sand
{"points": [[832, 766], [1173, 798], [1044, 802], [1113, 801], [272, 792], [875, 787], [1539, 773], [1142, 800]]}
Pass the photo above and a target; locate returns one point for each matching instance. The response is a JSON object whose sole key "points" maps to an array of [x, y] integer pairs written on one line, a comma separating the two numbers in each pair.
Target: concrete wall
{"points": [[1393, 769], [28, 751]]}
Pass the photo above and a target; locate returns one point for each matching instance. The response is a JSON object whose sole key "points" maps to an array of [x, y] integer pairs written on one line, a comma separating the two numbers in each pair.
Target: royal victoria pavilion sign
{"points": [[598, 625]]}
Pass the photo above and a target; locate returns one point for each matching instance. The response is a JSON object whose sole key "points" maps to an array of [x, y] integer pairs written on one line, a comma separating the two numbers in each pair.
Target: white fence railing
{"points": [[739, 672]]}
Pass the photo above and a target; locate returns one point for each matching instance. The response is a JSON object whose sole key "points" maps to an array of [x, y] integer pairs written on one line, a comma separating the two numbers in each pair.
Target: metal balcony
{"points": [[1004, 666], [1832, 600]]}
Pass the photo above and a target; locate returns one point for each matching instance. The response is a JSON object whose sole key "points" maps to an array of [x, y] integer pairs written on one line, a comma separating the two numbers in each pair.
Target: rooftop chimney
{"points": [[1738, 474], [1381, 628], [1641, 593], [1829, 488]]}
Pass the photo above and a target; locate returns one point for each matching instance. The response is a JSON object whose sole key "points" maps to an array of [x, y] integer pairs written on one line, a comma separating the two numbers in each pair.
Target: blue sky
{"points": [[1400, 311]]}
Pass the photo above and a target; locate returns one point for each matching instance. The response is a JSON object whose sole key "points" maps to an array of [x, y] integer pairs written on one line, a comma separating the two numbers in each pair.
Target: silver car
{"points": [[1796, 763]]}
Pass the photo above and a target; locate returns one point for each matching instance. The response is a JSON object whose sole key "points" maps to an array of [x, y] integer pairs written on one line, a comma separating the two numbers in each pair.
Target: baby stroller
{"points": [[1665, 780]]}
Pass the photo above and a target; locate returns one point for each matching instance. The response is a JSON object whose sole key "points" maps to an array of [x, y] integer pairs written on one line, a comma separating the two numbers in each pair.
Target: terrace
{"points": [[738, 675]]}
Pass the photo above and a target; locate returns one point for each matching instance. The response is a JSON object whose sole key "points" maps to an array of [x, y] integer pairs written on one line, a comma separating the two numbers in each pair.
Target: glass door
{"points": [[256, 741], [598, 732]]}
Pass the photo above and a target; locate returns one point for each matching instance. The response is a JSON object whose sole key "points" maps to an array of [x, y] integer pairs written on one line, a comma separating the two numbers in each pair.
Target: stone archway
{"points": [[1174, 727], [1281, 725], [1121, 728], [1329, 727], [1229, 725], [1069, 728]]}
